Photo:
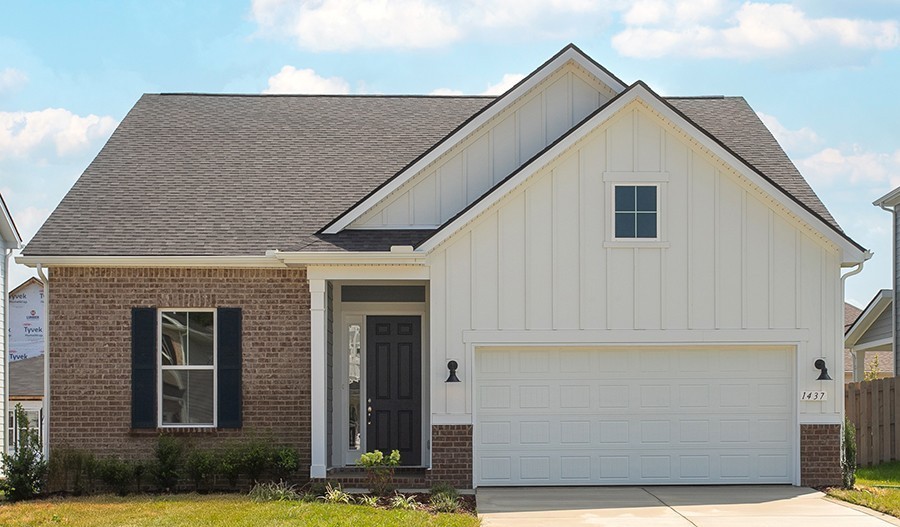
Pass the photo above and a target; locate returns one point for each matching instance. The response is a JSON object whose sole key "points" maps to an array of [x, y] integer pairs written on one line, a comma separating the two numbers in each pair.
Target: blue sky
{"points": [[823, 74]]}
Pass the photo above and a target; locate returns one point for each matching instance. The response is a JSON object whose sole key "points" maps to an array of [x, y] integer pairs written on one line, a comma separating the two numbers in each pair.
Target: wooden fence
{"points": [[873, 407]]}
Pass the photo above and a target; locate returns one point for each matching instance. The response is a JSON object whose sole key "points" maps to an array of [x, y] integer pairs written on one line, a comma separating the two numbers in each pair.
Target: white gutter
{"points": [[149, 261], [5, 434], [46, 405], [398, 255]]}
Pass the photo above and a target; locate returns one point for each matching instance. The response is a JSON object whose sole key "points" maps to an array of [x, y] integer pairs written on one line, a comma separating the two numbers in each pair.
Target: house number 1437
{"points": [[813, 396]]}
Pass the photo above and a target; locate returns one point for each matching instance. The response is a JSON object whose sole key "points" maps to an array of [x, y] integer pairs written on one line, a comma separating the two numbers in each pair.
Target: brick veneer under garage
{"points": [[820, 455]]}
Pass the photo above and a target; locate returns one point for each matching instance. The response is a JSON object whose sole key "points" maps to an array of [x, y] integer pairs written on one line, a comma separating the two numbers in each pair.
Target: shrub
{"points": [[380, 470], [230, 464], [26, 467], [139, 468], [285, 461], [849, 458], [169, 462], [407, 503], [116, 474], [334, 494], [256, 458], [200, 465], [280, 491]]}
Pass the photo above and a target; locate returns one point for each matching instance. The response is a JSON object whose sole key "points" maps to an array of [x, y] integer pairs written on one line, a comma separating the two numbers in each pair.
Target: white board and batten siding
{"points": [[491, 152], [540, 271]]}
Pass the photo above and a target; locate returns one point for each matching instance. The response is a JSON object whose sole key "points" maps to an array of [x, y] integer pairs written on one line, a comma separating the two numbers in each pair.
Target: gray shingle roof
{"points": [[26, 377], [188, 174]]}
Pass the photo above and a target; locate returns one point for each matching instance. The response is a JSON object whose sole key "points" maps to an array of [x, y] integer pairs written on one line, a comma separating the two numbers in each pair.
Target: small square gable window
{"points": [[636, 211]]}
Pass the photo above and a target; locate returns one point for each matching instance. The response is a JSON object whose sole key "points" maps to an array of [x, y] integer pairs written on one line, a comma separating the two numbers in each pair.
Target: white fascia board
{"points": [[497, 107], [868, 317], [891, 199], [8, 231], [348, 258], [149, 261], [850, 254]]}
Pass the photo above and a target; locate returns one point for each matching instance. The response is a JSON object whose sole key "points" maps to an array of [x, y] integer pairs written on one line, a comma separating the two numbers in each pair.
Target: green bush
{"points": [[116, 474], [256, 458], [444, 498], [139, 469], [334, 494], [849, 461], [200, 465], [285, 462], [380, 470], [26, 467], [230, 464], [169, 462], [406, 503]]}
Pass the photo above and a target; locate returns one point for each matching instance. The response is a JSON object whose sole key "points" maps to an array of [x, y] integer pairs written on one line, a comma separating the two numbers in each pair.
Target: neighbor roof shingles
{"points": [[188, 174]]}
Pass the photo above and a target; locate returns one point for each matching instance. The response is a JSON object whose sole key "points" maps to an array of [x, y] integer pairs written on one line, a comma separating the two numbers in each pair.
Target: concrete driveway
{"points": [[757, 506]]}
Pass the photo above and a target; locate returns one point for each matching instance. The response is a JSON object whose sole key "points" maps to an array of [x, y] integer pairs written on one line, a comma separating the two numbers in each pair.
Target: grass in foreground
{"points": [[877, 488], [217, 509]]}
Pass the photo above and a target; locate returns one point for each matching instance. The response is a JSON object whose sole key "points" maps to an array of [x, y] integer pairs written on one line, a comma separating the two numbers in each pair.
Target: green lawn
{"points": [[877, 488], [196, 510]]}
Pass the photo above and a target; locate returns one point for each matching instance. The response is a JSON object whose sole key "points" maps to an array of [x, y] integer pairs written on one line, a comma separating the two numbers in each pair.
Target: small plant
{"points": [[200, 465], [334, 494], [169, 461], [849, 458], [26, 467], [380, 470], [255, 459], [116, 474], [872, 373], [444, 498], [368, 500], [230, 465], [285, 461], [407, 503], [139, 468], [271, 491]]}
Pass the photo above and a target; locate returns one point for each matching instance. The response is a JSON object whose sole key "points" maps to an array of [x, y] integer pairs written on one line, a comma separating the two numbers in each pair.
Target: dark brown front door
{"points": [[394, 386]]}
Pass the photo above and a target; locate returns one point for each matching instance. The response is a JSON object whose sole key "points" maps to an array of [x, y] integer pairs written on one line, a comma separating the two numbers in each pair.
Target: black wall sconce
{"points": [[820, 365], [452, 366]]}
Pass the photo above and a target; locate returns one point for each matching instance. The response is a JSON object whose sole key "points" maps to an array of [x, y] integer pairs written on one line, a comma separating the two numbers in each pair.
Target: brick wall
{"points": [[820, 455], [90, 352], [451, 455]]}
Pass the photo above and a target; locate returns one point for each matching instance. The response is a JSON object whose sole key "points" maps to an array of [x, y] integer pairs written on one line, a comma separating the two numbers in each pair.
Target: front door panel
{"points": [[394, 386]]}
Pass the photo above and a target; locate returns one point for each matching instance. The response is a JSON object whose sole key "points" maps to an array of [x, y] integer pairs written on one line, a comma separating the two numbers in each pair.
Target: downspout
{"points": [[46, 405], [844, 277], [6, 257]]}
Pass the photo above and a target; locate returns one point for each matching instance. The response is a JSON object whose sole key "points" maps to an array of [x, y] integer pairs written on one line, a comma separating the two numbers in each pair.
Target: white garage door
{"points": [[633, 416]]}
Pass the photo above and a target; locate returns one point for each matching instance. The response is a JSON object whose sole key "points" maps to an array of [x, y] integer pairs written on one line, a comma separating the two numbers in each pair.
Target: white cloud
{"points": [[793, 141], [658, 28], [11, 80], [857, 166], [342, 25], [508, 81], [27, 133], [29, 220], [292, 80]]}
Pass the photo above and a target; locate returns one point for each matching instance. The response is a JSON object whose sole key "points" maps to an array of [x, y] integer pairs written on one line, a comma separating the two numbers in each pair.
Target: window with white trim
{"points": [[636, 215], [187, 367]]}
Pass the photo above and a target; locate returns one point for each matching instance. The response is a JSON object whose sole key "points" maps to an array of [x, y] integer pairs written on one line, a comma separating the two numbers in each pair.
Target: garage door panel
{"points": [[692, 425]]}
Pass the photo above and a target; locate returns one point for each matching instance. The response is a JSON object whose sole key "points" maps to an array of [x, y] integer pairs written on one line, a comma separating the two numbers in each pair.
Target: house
{"points": [[10, 240], [868, 340], [26, 355], [578, 282]]}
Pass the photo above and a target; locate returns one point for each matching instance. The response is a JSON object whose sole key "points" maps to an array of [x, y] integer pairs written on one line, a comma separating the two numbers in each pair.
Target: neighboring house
{"points": [[26, 355], [10, 239], [890, 202], [578, 282], [868, 340]]}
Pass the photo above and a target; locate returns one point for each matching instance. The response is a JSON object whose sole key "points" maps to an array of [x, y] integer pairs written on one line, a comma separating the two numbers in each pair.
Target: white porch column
{"points": [[318, 355], [859, 365]]}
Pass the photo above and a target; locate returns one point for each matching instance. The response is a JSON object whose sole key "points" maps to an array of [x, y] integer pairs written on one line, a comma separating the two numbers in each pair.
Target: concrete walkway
{"points": [[676, 506]]}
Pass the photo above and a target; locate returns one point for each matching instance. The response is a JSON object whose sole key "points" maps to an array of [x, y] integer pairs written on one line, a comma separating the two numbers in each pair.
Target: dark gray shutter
{"points": [[143, 367], [228, 366]]}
